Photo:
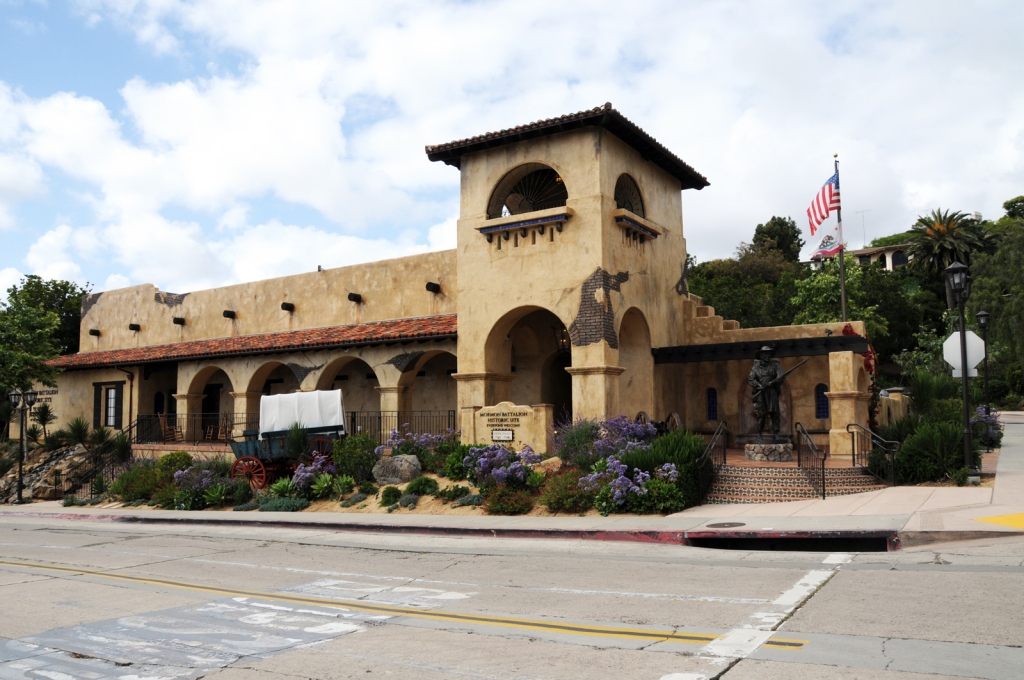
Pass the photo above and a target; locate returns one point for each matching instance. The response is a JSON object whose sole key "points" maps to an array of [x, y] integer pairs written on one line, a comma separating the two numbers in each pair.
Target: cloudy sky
{"points": [[194, 144]]}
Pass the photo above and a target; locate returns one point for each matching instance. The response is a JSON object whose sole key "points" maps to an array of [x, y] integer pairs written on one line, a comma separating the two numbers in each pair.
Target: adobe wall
{"points": [[390, 289]]}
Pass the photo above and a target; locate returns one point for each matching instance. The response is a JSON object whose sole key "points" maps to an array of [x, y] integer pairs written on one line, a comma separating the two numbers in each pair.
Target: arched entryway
{"points": [[213, 406], [433, 387], [636, 385], [356, 380], [531, 346]]}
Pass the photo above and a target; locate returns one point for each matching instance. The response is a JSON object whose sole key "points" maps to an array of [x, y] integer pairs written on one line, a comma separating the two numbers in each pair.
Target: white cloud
{"points": [[333, 104], [48, 256], [115, 281], [9, 276]]}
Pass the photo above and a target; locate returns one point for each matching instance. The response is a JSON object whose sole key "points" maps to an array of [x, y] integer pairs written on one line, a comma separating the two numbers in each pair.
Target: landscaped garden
{"points": [[595, 467]]}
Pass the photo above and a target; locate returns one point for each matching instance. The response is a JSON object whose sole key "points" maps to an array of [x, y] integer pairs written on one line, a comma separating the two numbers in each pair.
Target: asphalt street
{"points": [[93, 599]]}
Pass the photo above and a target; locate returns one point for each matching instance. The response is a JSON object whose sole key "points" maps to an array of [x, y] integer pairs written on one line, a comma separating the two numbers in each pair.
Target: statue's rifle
{"points": [[783, 376]]}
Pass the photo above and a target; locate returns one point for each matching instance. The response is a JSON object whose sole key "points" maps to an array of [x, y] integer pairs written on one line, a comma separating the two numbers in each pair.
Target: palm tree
{"points": [[942, 238], [43, 415]]}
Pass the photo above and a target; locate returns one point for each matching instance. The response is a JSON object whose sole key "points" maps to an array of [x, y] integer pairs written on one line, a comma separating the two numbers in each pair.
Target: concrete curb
{"points": [[809, 540]]}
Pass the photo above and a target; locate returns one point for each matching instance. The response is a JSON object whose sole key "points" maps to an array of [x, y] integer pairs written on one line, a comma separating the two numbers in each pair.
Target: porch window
{"points": [[821, 402], [712, 403]]}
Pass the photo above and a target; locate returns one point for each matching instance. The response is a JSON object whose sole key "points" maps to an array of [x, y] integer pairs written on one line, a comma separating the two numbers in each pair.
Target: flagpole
{"points": [[842, 247]]}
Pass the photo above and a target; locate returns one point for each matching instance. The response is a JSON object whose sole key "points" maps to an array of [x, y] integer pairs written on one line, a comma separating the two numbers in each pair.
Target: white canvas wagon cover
{"points": [[318, 409]]}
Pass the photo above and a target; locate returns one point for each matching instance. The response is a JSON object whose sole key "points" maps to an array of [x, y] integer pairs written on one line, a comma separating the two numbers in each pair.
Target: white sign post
{"points": [[975, 353]]}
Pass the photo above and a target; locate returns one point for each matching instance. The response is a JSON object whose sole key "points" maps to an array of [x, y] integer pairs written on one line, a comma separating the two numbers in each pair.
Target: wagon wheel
{"points": [[643, 418], [252, 470], [321, 446], [673, 421]]}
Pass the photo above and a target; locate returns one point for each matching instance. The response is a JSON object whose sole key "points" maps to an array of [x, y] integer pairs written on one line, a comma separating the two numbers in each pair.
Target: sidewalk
{"points": [[915, 514]]}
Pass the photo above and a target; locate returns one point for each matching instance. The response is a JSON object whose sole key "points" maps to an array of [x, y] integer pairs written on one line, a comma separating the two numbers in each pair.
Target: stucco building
{"points": [[566, 292]]}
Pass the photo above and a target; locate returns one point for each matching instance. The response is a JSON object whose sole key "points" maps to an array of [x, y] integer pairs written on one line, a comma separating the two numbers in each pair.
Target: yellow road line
{"points": [[505, 622]]}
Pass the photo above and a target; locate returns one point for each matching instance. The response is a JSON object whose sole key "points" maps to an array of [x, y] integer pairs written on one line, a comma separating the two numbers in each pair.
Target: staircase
{"points": [[735, 484]]}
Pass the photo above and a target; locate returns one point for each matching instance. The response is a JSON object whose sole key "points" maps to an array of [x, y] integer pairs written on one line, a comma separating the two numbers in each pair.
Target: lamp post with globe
{"points": [[959, 282], [26, 400], [983, 320]]}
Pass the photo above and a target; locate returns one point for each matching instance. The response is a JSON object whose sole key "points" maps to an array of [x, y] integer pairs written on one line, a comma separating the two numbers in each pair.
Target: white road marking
{"points": [[684, 676], [738, 643], [804, 587], [837, 558]]}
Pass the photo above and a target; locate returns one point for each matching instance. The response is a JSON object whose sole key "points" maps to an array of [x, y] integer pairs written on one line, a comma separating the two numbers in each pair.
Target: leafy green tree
{"points": [[942, 238], [893, 240], [755, 288], [895, 295], [998, 288], [782, 234], [818, 298], [62, 297], [1015, 208], [27, 340]]}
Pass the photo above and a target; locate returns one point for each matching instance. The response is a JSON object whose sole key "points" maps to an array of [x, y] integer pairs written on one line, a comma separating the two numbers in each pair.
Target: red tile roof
{"points": [[602, 116], [433, 327]]}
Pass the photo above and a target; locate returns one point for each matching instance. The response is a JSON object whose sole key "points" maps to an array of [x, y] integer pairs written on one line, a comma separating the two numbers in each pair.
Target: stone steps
{"points": [[736, 484]]}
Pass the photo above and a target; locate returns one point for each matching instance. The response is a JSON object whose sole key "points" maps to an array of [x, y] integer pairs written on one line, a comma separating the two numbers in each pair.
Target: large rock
{"points": [[779, 453], [397, 469]]}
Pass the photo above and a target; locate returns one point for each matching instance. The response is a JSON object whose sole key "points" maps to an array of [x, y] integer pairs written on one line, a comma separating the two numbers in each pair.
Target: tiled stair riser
{"points": [[772, 485]]}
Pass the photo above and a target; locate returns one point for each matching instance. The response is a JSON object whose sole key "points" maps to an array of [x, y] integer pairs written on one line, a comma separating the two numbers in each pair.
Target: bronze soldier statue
{"points": [[766, 378]]}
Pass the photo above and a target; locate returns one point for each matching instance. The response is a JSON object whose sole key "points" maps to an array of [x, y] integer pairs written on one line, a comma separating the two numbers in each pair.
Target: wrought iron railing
{"points": [[876, 455], [193, 428], [812, 462], [92, 475], [379, 424], [712, 460]]}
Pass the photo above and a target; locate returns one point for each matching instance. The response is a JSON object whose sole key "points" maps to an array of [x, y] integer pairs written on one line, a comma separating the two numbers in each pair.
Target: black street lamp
{"points": [[28, 399], [959, 282], [983, 319]]}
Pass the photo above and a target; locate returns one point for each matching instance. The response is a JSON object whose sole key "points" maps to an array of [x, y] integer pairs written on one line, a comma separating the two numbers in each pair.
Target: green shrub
{"points": [[960, 476], [474, 499], [368, 487], [164, 495], [240, 491], [246, 507], [393, 507], [6, 464], [175, 461], [343, 484], [101, 435], [322, 486], [389, 495], [453, 467], [535, 480], [189, 500], [55, 440], [98, 485], [296, 444], [503, 500], [122, 447], [69, 501], [409, 500], [354, 456], [356, 498], [662, 498], [216, 495], [562, 492], [138, 482], [927, 389], [422, 486], [284, 488], [452, 493], [78, 431], [932, 453], [284, 505], [680, 448]]}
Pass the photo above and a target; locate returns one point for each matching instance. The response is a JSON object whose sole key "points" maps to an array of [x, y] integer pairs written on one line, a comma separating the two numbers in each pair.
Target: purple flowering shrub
{"points": [[991, 433], [305, 475], [584, 442], [617, 492], [494, 465]]}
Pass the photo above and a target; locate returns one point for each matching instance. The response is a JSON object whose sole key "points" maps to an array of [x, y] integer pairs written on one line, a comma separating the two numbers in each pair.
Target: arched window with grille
{"points": [[712, 403], [821, 402], [627, 196], [527, 188]]}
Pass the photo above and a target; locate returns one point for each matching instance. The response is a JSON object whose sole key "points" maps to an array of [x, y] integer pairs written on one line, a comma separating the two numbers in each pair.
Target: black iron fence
{"points": [[812, 462], [92, 475], [193, 428], [379, 424]]}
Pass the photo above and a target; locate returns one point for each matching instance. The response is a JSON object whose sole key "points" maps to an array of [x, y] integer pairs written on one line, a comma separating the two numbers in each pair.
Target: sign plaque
{"points": [[501, 435]]}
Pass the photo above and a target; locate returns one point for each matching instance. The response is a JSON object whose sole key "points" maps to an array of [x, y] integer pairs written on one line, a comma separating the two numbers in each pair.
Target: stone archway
{"points": [[357, 381], [520, 347], [432, 387], [636, 386], [210, 405]]}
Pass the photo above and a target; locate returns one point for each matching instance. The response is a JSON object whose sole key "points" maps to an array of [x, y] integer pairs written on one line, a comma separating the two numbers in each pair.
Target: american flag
{"points": [[824, 202]]}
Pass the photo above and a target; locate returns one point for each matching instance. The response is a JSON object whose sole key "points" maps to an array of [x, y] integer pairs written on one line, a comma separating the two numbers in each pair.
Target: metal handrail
{"points": [[99, 462], [712, 460], [813, 465], [859, 436]]}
